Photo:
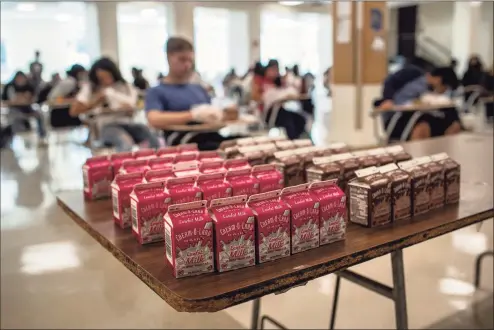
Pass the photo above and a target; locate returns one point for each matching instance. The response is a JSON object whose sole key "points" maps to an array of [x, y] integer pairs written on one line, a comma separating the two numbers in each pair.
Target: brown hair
{"points": [[177, 44]]}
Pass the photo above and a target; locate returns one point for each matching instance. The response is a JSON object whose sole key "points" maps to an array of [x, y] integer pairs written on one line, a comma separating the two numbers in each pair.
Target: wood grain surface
{"points": [[214, 292]]}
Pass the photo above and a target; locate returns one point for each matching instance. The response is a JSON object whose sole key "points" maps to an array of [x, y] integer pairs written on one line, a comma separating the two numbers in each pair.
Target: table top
{"points": [[243, 120], [214, 292], [422, 107]]}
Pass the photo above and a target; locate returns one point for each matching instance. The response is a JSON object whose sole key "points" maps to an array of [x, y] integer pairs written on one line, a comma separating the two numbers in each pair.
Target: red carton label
{"points": [[304, 209], [272, 226], [237, 164], [158, 175], [269, 178], [149, 203], [132, 166], [122, 186], [117, 160], [161, 163], [183, 190], [97, 176], [242, 182], [215, 166], [214, 186], [332, 210], [234, 234], [189, 239]]}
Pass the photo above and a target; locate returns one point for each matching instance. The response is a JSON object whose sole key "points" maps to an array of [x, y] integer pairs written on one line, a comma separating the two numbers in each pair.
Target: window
{"points": [[221, 42], [63, 32], [142, 35]]}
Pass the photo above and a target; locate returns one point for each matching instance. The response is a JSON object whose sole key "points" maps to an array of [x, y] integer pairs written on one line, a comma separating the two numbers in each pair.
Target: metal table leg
{"points": [[256, 308], [335, 302], [478, 264]]}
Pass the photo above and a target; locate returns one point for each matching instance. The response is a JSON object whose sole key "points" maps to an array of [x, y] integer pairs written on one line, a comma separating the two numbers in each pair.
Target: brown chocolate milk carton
{"points": [[306, 156], [382, 156], [269, 177], [268, 151], [370, 198], [338, 148], [253, 155], [189, 239], [290, 165], [364, 159], [158, 175], [122, 187], [348, 166], [134, 165], [234, 233], [272, 226], [149, 203], [214, 186], [262, 139], [420, 181], [332, 210], [97, 175], [285, 145], [451, 177], [304, 210], [323, 169], [117, 159], [183, 190], [401, 191], [245, 142], [398, 153], [302, 143], [436, 183]]}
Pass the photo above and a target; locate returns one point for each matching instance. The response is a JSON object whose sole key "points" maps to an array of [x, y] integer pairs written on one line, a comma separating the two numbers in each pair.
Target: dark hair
{"points": [[296, 70], [272, 63], [259, 69], [177, 45], [108, 65], [448, 77], [75, 70], [16, 75]]}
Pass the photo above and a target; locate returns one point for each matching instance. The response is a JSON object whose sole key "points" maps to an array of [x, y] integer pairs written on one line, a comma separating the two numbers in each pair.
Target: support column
{"points": [[108, 30], [254, 33], [359, 69], [182, 19]]}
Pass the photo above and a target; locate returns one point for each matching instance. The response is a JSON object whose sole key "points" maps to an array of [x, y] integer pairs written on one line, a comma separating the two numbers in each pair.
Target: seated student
{"points": [[177, 101], [285, 99], [489, 92], [19, 95], [47, 88], [257, 82], [408, 85], [108, 91]]}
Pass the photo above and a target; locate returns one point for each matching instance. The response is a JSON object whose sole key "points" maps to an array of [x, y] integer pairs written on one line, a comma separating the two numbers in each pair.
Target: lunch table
{"points": [[217, 291]]}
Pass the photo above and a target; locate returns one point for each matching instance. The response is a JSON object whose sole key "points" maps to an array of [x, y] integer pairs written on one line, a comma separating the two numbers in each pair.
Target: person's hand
{"points": [[386, 105], [232, 107], [206, 114]]}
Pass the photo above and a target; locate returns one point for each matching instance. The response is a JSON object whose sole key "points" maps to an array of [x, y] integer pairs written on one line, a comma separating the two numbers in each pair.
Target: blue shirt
{"points": [[175, 97]]}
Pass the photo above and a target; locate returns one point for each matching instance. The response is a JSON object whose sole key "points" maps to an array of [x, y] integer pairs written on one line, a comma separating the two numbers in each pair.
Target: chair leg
{"points": [[335, 303], [478, 264]]}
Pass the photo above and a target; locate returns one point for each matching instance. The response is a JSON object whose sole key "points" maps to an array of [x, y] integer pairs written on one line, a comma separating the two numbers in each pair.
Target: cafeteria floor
{"points": [[54, 275]]}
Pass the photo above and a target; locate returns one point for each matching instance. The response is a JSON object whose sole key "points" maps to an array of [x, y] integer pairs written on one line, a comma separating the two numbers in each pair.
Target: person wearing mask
{"points": [[408, 85], [178, 101], [19, 95], [36, 71], [139, 81], [111, 98], [283, 99], [472, 79]]}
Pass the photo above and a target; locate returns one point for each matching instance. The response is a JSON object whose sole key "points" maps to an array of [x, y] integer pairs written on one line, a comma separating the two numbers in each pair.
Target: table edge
{"points": [[279, 284]]}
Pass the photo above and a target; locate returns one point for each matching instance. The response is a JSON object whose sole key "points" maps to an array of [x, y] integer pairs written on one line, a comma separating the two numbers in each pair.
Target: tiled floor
{"points": [[53, 275]]}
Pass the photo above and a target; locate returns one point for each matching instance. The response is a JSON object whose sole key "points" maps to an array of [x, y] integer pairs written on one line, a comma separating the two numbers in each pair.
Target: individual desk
{"points": [[215, 292]]}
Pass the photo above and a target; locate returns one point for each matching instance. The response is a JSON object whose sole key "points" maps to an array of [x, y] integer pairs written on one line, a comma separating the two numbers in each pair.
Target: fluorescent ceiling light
{"points": [[149, 12], [290, 3], [63, 17], [26, 6]]}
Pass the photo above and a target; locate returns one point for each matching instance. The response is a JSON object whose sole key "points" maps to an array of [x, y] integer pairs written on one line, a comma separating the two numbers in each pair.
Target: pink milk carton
{"points": [[269, 177], [149, 203], [122, 186], [237, 164], [212, 167], [186, 148], [304, 209], [186, 169], [183, 190], [189, 239], [132, 166], [97, 175], [117, 160], [160, 163], [144, 154], [158, 175], [332, 210], [272, 226], [234, 234], [167, 151], [186, 157], [206, 156], [242, 182], [214, 186]]}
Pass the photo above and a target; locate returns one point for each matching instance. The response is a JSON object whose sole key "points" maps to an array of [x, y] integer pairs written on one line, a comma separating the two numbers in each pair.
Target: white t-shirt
{"points": [[117, 96], [275, 94]]}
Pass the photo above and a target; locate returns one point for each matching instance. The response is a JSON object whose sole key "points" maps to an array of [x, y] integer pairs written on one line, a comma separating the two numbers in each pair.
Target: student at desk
{"points": [[408, 85], [177, 101], [19, 95], [107, 89]]}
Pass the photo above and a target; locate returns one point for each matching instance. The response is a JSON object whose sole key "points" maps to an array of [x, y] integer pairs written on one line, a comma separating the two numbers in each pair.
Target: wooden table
{"points": [[214, 292], [212, 127]]}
